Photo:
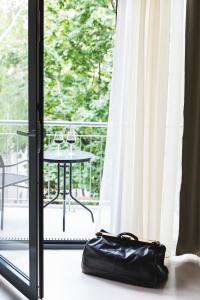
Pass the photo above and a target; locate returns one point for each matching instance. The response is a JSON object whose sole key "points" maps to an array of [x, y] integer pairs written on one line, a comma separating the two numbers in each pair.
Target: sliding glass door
{"points": [[21, 261]]}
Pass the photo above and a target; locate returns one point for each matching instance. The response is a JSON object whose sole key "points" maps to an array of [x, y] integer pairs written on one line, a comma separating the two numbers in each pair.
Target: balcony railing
{"points": [[91, 136]]}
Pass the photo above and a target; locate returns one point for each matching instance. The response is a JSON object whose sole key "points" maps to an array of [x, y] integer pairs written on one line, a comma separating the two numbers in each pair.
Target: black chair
{"points": [[8, 179]]}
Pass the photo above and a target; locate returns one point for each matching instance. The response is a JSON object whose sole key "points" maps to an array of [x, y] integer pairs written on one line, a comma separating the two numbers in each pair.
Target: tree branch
{"points": [[113, 5], [6, 32], [99, 72], [99, 79]]}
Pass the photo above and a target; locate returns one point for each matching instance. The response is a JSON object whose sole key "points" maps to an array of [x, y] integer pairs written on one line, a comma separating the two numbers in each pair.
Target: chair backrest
{"points": [[1, 162], [2, 172]]}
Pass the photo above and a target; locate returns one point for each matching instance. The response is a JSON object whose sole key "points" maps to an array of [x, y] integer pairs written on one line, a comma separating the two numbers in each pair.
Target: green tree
{"points": [[79, 37], [79, 40]]}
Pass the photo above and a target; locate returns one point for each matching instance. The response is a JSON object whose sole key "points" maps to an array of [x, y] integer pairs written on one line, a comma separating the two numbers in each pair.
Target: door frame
{"points": [[32, 286]]}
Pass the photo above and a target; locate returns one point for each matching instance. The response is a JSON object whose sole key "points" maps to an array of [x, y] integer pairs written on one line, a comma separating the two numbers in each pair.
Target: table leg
{"points": [[70, 193], [64, 196], [58, 189]]}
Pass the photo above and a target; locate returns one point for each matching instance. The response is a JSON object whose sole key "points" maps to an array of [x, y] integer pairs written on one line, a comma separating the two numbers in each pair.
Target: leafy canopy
{"points": [[79, 37]]}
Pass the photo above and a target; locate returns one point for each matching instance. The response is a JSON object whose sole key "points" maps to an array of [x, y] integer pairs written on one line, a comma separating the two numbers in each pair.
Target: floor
{"points": [[78, 226], [64, 280], [78, 223]]}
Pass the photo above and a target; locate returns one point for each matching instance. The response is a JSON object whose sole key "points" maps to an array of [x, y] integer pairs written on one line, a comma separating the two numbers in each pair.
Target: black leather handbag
{"points": [[124, 258]]}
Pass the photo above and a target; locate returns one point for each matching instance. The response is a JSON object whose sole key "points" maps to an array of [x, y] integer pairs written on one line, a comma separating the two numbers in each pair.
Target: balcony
{"points": [[91, 136]]}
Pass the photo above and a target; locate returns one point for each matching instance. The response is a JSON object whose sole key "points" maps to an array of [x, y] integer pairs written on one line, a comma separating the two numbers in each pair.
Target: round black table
{"points": [[64, 159]]}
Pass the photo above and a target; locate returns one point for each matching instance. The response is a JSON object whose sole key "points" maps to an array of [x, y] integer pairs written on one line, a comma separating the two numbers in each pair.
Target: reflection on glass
{"points": [[14, 197]]}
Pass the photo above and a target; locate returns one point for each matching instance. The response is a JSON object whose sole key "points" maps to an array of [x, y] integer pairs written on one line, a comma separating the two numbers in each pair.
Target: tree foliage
{"points": [[79, 39], [13, 60]]}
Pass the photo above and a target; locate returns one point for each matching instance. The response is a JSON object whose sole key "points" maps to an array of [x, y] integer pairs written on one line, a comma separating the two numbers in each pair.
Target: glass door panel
{"points": [[20, 151], [14, 149]]}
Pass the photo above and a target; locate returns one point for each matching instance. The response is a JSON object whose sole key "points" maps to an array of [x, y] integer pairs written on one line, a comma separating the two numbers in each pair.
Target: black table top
{"points": [[64, 156]]}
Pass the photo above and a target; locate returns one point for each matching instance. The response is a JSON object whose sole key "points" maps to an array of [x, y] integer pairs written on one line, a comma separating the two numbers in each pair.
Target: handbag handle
{"points": [[127, 234]]}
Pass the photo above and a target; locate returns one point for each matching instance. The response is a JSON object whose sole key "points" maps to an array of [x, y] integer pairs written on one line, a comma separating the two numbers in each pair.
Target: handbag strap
{"points": [[122, 235], [127, 234]]}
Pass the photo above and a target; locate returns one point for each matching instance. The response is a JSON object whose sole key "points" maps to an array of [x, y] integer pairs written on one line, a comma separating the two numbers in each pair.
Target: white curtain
{"points": [[141, 177]]}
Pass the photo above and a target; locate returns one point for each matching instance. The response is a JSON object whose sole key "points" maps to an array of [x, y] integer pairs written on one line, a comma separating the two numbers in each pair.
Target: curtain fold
{"points": [[144, 128], [189, 230]]}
